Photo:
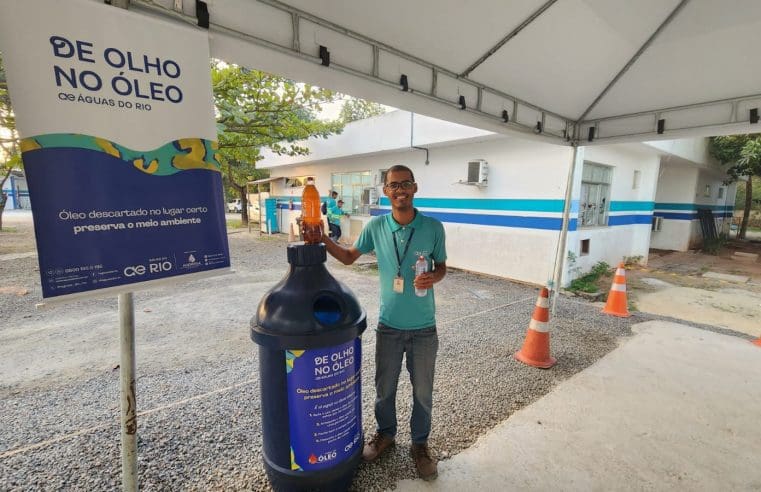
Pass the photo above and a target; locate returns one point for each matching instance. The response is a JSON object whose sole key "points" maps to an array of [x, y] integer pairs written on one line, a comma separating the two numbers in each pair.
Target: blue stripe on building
{"points": [[690, 215], [676, 216], [693, 207], [511, 204], [619, 220], [629, 206], [519, 205], [681, 211], [544, 223]]}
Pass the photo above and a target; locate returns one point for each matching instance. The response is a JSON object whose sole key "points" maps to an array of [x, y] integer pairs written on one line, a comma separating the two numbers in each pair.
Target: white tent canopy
{"points": [[629, 70]]}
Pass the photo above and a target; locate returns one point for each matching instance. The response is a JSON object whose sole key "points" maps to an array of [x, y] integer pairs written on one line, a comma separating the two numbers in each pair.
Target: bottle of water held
{"points": [[421, 266], [311, 217]]}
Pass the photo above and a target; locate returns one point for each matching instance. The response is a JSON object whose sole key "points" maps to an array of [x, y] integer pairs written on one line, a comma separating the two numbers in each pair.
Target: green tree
{"points": [[10, 155], [740, 197], [359, 109], [256, 111], [743, 155]]}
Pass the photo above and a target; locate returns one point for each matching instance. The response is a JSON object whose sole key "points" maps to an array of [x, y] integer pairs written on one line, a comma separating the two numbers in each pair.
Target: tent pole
{"points": [[561, 252]]}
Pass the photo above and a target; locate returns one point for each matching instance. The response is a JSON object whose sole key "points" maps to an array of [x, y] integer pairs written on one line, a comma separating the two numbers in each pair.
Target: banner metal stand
{"points": [[128, 397]]}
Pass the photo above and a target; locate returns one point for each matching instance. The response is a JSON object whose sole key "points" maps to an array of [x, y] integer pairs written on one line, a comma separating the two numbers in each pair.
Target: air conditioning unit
{"points": [[478, 172], [657, 224]]}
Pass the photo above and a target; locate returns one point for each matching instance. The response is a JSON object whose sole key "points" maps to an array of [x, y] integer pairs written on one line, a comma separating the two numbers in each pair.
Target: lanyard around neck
{"points": [[396, 249]]}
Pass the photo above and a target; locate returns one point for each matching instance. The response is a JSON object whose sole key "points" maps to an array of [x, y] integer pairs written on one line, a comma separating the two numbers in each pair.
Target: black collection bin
{"points": [[308, 329]]}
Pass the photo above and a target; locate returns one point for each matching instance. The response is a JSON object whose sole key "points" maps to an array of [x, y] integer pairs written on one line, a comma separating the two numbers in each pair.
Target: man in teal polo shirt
{"points": [[407, 322]]}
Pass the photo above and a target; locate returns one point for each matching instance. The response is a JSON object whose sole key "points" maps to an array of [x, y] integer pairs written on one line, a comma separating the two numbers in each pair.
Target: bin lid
{"points": [[302, 254]]}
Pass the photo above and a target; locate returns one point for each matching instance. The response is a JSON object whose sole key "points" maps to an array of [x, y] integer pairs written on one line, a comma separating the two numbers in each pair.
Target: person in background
{"points": [[407, 323], [328, 204], [334, 219]]}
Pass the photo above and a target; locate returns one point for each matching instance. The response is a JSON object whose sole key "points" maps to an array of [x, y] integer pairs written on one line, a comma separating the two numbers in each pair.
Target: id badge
{"points": [[399, 285]]}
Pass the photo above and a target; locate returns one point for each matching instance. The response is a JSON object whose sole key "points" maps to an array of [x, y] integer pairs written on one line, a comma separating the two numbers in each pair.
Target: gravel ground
{"points": [[198, 387]]}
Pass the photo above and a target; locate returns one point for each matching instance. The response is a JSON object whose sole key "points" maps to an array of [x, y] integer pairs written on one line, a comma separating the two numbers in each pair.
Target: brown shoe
{"points": [[376, 446], [424, 462]]}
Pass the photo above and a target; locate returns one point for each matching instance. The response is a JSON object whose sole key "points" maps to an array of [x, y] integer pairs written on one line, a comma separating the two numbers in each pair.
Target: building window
{"points": [[636, 180], [296, 181], [707, 192], [721, 192], [584, 247], [595, 195], [355, 190]]}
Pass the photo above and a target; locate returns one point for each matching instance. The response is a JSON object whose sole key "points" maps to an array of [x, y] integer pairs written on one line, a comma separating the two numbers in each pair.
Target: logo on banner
{"points": [[155, 267], [324, 457]]}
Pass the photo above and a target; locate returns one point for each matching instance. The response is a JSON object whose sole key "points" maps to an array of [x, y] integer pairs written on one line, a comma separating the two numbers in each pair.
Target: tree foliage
{"points": [[756, 198], [10, 154], [743, 155], [256, 111], [359, 109]]}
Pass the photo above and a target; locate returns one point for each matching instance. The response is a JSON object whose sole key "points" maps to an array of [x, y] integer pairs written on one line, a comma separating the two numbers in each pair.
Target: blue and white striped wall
{"points": [[511, 227], [18, 194], [524, 232], [681, 192], [521, 213], [689, 211], [681, 229]]}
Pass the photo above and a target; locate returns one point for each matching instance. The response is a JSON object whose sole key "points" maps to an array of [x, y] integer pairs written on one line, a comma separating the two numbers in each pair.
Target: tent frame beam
{"points": [[557, 136], [634, 58], [730, 107], [608, 129], [378, 46], [507, 38]]}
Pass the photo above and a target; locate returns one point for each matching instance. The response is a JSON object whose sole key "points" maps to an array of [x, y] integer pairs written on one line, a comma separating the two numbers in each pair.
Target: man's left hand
{"points": [[424, 281]]}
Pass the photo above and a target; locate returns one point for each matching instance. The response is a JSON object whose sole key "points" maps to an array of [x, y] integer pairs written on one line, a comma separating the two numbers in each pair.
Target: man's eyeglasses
{"points": [[405, 185]]}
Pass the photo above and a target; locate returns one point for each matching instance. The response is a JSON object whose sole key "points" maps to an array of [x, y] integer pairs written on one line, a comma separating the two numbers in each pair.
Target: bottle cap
{"points": [[300, 254]]}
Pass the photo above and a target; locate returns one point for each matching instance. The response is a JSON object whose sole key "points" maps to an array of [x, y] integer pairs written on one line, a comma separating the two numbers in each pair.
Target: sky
{"points": [[331, 111]]}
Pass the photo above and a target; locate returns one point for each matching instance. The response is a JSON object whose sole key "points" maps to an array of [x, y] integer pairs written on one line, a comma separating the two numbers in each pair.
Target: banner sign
{"points": [[116, 114], [324, 405]]}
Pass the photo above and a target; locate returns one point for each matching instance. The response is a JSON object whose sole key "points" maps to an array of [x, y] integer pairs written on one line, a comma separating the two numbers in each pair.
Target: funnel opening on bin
{"points": [[327, 310]]}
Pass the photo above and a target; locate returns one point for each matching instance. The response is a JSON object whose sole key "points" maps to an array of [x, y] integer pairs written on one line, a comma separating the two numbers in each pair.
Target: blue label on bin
{"points": [[324, 405]]}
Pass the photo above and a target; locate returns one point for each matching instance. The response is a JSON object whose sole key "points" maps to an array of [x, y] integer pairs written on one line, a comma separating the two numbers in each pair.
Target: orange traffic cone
{"points": [[536, 347], [617, 305], [757, 342]]}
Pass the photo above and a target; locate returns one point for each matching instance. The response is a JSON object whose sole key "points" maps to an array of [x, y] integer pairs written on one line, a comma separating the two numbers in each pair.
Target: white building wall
{"points": [[682, 190], [518, 170], [676, 186], [525, 254], [630, 215], [511, 227], [392, 131], [694, 150], [707, 196]]}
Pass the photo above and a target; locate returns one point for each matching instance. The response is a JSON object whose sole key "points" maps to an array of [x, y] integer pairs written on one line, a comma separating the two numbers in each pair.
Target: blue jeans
{"points": [[335, 231], [419, 347]]}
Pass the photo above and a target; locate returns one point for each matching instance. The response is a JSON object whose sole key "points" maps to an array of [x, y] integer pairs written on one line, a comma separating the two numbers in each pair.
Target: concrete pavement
{"points": [[674, 407]]}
